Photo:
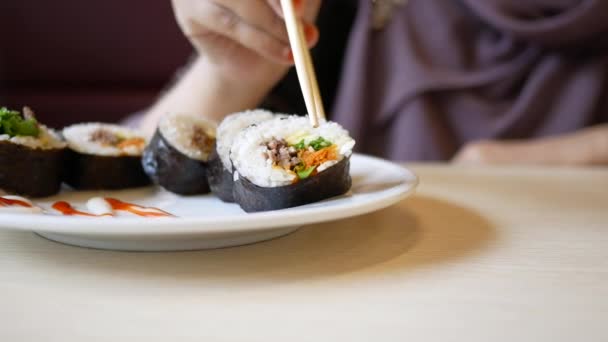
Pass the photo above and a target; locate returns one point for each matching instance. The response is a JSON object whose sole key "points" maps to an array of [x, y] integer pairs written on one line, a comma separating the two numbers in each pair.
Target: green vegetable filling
{"points": [[304, 173], [320, 143], [14, 124], [300, 146], [317, 144]]}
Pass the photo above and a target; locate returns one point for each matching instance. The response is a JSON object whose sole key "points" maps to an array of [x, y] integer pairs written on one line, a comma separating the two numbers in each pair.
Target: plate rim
{"points": [[220, 224]]}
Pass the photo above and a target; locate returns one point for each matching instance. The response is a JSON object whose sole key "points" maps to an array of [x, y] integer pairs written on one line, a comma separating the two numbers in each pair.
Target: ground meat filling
{"points": [[104, 137], [281, 154], [201, 141]]}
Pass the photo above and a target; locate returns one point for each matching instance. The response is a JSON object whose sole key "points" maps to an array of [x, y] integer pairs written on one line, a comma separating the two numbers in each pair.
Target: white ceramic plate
{"points": [[205, 221]]}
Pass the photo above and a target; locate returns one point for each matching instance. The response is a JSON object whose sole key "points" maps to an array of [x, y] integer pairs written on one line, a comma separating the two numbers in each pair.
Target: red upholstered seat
{"points": [[75, 60]]}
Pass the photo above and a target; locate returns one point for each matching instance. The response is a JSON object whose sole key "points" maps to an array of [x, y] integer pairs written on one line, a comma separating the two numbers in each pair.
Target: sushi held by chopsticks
{"points": [[178, 154], [31, 155], [104, 156], [285, 162]]}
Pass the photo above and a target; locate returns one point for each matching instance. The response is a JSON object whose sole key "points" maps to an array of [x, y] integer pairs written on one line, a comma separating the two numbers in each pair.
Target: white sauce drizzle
{"points": [[99, 206]]}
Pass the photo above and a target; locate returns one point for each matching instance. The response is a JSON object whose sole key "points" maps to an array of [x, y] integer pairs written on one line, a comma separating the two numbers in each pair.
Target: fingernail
{"points": [[298, 6], [311, 32]]}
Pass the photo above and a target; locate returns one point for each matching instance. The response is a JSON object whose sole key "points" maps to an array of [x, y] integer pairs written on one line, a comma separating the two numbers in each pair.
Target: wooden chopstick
{"points": [[304, 66], [312, 76]]}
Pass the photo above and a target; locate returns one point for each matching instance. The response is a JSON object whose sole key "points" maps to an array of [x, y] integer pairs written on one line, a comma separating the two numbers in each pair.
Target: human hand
{"points": [[585, 147], [245, 39]]}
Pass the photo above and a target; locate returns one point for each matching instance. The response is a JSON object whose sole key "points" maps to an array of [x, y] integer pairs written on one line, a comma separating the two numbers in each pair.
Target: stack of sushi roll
{"points": [[285, 162], [178, 154], [104, 156], [220, 174], [31, 155], [260, 160]]}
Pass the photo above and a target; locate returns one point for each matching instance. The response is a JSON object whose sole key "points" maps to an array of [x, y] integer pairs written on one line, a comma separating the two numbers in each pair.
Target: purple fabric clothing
{"points": [[446, 72]]}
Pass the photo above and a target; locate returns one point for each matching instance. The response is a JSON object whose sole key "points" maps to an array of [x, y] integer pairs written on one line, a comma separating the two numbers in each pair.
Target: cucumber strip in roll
{"points": [[285, 162], [31, 155], [104, 156], [220, 167], [178, 154]]}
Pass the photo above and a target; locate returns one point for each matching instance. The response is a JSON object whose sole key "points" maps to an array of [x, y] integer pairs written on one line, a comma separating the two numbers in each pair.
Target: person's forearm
{"points": [[585, 147], [202, 90]]}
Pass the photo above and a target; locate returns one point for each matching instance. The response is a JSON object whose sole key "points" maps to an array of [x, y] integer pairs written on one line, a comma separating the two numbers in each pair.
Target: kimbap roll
{"points": [[31, 155], [178, 154], [285, 162], [104, 156], [220, 167]]}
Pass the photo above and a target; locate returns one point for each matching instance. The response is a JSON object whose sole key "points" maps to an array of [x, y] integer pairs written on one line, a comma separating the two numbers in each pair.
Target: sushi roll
{"points": [[104, 156], [220, 167], [285, 162], [31, 155], [178, 154]]}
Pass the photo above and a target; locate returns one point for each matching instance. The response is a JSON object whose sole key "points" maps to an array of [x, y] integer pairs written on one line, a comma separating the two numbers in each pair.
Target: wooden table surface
{"points": [[479, 254]]}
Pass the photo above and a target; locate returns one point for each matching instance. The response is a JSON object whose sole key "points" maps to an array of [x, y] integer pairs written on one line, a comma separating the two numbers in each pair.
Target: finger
{"points": [[312, 38], [278, 9], [468, 154], [310, 10], [210, 17], [259, 14], [493, 152], [305, 9], [311, 32], [481, 152]]}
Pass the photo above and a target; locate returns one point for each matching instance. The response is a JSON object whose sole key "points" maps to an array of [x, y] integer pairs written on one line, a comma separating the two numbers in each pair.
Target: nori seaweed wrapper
{"points": [[30, 172], [172, 169], [334, 181], [220, 180], [95, 172]]}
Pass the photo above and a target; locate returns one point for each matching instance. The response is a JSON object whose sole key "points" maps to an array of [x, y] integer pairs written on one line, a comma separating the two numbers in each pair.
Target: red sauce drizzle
{"points": [[66, 209], [5, 202], [136, 209]]}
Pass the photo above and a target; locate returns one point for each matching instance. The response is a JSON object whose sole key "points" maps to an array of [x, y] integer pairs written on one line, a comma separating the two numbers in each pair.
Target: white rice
{"points": [[234, 124], [48, 139], [248, 152], [178, 129], [78, 138]]}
